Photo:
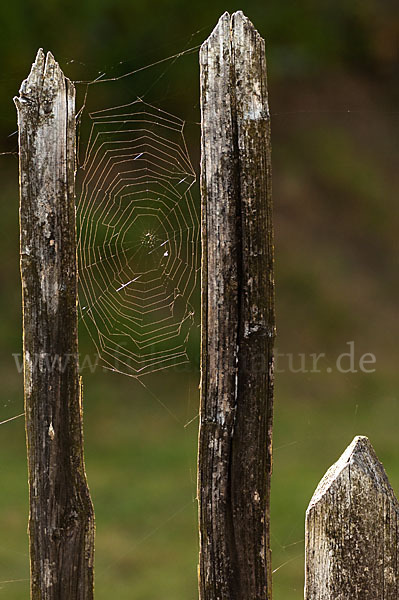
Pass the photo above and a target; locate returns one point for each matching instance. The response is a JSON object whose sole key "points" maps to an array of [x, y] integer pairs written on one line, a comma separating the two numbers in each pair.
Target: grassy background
{"points": [[332, 73]]}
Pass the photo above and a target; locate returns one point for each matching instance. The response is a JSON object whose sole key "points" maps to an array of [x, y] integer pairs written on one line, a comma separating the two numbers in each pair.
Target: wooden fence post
{"points": [[238, 327], [61, 521], [352, 533]]}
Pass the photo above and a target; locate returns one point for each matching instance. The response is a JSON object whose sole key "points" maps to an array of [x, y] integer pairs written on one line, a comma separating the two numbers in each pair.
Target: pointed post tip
{"points": [[230, 20], [45, 77], [238, 14], [42, 62], [39, 55], [239, 19], [360, 446], [29, 85], [50, 60], [361, 455], [223, 22], [357, 445]]}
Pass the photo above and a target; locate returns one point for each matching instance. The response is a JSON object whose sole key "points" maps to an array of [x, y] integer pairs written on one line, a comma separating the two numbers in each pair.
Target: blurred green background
{"points": [[333, 72]]}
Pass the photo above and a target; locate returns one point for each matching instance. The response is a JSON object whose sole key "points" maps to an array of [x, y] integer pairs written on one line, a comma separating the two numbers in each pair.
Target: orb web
{"points": [[138, 234]]}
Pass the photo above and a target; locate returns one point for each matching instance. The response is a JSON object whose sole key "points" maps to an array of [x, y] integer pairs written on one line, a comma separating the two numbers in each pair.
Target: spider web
{"points": [[138, 233]]}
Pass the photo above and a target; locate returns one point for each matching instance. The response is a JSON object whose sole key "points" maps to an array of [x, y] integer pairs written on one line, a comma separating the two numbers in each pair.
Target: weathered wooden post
{"points": [[352, 531], [238, 327], [61, 521]]}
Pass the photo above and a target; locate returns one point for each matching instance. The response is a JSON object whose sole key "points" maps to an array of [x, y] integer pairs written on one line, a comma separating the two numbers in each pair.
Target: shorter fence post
{"points": [[351, 533]]}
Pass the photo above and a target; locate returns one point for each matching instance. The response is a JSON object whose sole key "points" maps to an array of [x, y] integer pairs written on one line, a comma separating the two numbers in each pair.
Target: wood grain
{"points": [[238, 326], [61, 521]]}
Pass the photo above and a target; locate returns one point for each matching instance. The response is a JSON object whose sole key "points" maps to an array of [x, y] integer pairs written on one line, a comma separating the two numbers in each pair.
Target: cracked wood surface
{"points": [[61, 520], [238, 330], [351, 538]]}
